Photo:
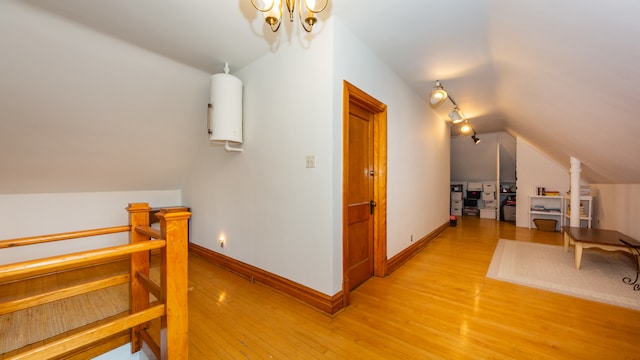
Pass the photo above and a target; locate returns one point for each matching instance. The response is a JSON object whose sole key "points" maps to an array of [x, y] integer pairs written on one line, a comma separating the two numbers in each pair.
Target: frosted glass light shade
{"points": [[438, 96], [456, 116]]}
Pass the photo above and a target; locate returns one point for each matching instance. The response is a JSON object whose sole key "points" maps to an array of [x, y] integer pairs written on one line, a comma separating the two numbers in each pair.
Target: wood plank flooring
{"points": [[439, 305]]}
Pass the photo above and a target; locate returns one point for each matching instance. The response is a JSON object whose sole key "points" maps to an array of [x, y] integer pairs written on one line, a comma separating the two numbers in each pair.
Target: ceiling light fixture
{"points": [[475, 139], [272, 11], [456, 116], [466, 128], [438, 94]]}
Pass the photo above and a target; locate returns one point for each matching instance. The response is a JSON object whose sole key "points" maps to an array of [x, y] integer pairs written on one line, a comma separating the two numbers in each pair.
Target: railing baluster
{"points": [[138, 295]]}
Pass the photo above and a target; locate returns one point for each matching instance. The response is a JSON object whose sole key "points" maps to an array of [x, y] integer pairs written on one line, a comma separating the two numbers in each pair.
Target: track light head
{"points": [[466, 128], [475, 139], [438, 94], [456, 116]]}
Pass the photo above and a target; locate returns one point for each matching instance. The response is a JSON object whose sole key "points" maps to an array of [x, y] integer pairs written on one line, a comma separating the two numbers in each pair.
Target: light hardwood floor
{"points": [[439, 305]]}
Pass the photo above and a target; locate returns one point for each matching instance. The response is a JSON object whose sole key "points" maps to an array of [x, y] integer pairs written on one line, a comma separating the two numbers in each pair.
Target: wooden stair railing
{"points": [[171, 294]]}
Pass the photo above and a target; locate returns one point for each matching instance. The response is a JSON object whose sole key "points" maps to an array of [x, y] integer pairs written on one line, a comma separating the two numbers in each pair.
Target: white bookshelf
{"points": [[586, 210], [546, 207]]}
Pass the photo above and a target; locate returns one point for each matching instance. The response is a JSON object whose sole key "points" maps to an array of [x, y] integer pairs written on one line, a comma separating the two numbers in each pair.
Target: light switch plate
{"points": [[311, 161]]}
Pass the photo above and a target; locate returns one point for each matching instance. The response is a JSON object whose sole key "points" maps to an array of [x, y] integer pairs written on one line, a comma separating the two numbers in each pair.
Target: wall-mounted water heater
{"points": [[225, 110]]}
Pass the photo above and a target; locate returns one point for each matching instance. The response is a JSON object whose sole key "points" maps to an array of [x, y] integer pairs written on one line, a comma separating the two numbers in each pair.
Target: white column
{"points": [[574, 218], [497, 195]]}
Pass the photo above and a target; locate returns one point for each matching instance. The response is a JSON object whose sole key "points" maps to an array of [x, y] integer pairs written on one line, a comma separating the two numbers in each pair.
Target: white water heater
{"points": [[225, 109]]}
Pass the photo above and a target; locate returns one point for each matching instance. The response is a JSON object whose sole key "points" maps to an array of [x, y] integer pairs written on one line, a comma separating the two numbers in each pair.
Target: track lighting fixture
{"points": [[466, 128], [439, 95], [475, 138], [456, 116]]}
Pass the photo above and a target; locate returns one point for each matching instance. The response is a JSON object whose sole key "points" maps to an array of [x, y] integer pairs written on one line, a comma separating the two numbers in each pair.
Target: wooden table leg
{"points": [[578, 250], [566, 241]]}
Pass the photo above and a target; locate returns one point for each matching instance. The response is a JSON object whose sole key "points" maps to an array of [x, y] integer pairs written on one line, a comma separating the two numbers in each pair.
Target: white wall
{"points": [[418, 146], [535, 169], [86, 120], [82, 111], [507, 144], [478, 162], [274, 212], [616, 207], [122, 353], [286, 219], [473, 162], [24, 215]]}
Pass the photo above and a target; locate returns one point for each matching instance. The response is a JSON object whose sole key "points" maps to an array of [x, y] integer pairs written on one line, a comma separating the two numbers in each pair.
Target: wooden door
{"points": [[360, 196], [364, 235]]}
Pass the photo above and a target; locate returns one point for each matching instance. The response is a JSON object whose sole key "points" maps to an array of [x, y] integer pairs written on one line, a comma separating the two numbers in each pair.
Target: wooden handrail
{"points": [[88, 336], [172, 241], [40, 299], [148, 231], [63, 262], [62, 236]]}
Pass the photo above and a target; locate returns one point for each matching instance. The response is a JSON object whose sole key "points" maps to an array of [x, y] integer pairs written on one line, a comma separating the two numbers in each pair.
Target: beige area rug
{"points": [[548, 267]]}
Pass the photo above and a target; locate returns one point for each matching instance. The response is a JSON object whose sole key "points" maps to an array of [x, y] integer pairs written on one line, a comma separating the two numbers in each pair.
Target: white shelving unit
{"points": [[456, 199], [586, 210], [510, 187], [546, 207]]}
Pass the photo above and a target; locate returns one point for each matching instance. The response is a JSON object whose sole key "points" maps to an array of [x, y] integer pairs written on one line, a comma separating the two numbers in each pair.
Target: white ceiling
{"points": [[563, 75]]}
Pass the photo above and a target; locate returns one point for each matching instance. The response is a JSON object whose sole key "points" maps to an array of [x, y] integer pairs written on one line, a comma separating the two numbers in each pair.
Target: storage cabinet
{"points": [[489, 209], [586, 210], [472, 198], [546, 207], [456, 199]]}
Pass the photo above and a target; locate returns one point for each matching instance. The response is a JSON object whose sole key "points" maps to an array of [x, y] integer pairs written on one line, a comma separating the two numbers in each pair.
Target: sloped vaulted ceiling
{"points": [[569, 82], [563, 75]]}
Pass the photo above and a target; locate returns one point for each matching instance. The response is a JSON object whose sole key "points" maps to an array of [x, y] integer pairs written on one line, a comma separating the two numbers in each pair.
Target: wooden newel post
{"points": [[138, 295], [174, 261]]}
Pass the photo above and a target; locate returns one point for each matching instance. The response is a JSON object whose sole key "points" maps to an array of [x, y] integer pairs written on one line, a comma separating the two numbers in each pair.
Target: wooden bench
{"points": [[609, 240]]}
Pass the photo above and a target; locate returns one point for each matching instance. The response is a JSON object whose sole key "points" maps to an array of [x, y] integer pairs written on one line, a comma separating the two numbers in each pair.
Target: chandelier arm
{"points": [[291, 4], [277, 27], [263, 9], [326, 2], [306, 27], [303, 22], [274, 21]]}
